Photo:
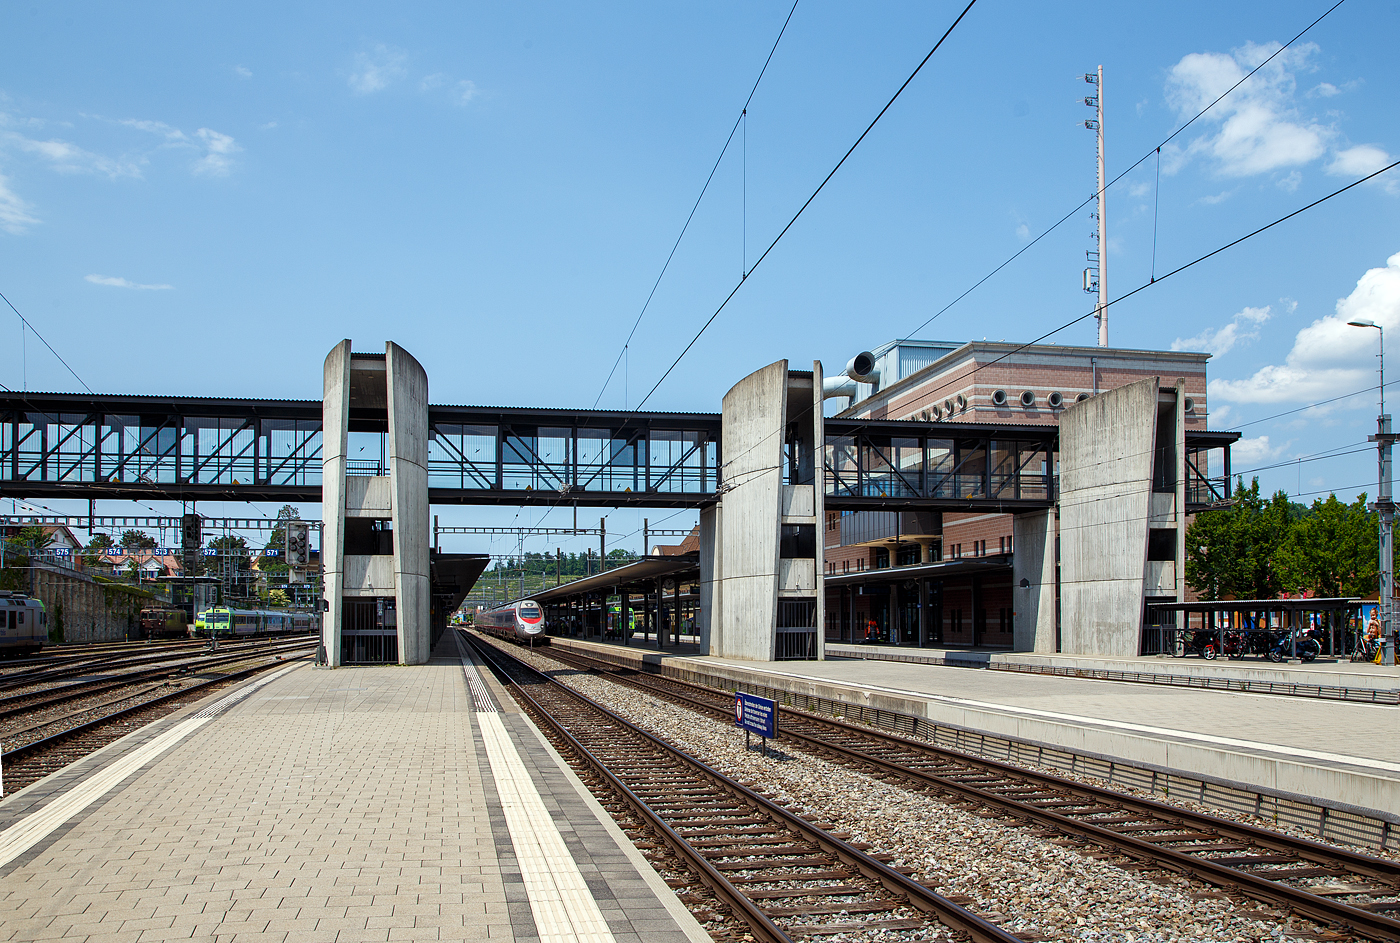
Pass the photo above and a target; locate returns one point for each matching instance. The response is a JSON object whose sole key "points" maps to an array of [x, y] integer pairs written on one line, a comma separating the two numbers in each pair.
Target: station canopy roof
{"points": [[644, 570]]}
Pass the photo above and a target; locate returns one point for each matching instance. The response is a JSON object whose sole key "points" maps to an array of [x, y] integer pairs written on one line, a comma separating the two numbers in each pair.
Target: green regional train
{"points": [[227, 622]]}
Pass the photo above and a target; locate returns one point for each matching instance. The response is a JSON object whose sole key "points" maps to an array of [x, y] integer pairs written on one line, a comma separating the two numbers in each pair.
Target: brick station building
{"points": [[922, 578]]}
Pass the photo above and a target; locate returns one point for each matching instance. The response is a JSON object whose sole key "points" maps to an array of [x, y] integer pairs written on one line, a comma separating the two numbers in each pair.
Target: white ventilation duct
{"points": [[998, 397], [1056, 400], [1027, 399], [859, 369]]}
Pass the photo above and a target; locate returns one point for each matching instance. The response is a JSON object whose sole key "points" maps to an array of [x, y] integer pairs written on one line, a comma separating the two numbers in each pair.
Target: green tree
{"points": [[34, 538], [1233, 552], [137, 540], [1333, 550], [95, 547]]}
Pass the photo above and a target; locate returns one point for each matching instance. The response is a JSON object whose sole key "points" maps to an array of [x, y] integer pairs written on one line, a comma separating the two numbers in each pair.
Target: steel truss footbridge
{"points": [[190, 449]]}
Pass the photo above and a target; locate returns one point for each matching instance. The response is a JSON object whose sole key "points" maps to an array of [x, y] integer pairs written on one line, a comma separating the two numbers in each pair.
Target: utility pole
{"points": [[1385, 506], [602, 544], [646, 540], [1098, 280]]}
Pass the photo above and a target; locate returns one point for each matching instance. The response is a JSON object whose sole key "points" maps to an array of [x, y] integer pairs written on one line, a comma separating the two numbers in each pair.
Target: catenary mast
{"points": [[1096, 275]]}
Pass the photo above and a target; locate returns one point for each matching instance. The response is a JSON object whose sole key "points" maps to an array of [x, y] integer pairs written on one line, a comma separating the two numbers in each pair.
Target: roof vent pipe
{"points": [[859, 369]]}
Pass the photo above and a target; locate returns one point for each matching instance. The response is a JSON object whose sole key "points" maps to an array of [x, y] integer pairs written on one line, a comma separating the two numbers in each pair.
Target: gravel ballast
{"points": [[1013, 875]]}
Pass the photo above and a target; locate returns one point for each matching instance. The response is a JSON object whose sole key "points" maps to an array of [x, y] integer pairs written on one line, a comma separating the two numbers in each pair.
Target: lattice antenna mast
{"points": [[1096, 275]]}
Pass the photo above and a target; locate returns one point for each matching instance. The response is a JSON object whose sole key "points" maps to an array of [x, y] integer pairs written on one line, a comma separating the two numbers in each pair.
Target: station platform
{"points": [[330, 806], [1326, 765], [1324, 678]]}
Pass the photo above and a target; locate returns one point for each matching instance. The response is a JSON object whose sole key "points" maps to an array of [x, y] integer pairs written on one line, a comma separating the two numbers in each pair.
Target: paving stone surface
{"points": [[328, 807]]}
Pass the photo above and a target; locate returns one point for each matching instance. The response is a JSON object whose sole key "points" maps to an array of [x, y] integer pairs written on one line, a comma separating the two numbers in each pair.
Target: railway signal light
{"points": [[298, 550], [191, 532]]}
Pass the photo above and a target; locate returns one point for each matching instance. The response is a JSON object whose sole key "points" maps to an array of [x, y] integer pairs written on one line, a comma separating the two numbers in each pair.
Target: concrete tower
{"points": [[376, 508]]}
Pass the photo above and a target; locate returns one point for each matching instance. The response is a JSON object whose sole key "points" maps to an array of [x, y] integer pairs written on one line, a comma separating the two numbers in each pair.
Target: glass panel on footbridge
{"points": [[941, 456], [842, 464], [677, 462], [219, 451], [607, 461], [462, 456], [890, 467], [293, 451]]}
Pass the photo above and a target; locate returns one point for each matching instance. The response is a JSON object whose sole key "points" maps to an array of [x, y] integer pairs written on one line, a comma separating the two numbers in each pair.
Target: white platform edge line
{"points": [[35, 827], [563, 906], [1078, 720]]}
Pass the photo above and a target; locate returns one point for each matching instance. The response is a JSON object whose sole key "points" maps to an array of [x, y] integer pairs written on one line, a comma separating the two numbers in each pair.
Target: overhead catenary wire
{"points": [[1065, 218], [25, 322], [827, 179], [1176, 271], [1325, 402], [1144, 286], [743, 114]]}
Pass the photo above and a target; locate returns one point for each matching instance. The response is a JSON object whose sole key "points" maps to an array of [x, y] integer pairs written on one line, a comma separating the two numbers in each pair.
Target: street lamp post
{"points": [[1385, 595]]}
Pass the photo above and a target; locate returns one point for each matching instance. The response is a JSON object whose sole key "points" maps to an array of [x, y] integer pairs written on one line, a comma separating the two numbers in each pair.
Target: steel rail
{"points": [[11, 682], [22, 703], [951, 915], [38, 746], [1368, 923]]}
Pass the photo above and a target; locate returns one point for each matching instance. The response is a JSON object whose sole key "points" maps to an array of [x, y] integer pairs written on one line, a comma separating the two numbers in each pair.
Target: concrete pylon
{"points": [[376, 512]]}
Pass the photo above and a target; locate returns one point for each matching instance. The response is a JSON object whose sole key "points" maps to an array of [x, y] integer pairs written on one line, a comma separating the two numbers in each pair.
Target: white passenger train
{"points": [[521, 621]]}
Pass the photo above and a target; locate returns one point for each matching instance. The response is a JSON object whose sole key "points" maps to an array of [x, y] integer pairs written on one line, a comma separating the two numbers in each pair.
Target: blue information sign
{"points": [[756, 714]]}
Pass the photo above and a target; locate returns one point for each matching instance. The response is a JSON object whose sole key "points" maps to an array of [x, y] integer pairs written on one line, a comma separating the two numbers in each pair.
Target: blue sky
{"points": [[204, 199]]}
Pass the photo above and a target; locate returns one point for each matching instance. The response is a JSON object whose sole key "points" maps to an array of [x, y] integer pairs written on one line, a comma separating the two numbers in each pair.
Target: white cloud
{"points": [[1216, 198], [376, 70], [1329, 357], [1363, 160], [158, 128], [1358, 161], [243, 72], [1023, 231], [218, 153], [1259, 127], [15, 214], [267, 127], [1290, 182], [1248, 452], [71, 159], [1242, 327], [1324, 90], [460, 93], [115, 282]]}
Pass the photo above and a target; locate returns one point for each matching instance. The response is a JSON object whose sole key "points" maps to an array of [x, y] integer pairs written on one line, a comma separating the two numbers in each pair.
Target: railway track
{"points": [[777, 875], [1346, 891], [109, 661], [33, 761], [16, 704]]}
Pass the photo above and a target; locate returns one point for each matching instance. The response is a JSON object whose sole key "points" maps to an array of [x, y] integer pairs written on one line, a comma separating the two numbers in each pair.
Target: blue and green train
{"points": [[228, 622]]}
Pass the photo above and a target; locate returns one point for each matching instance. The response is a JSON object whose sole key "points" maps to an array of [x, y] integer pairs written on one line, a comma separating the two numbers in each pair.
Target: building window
{"points": [[882, 558], [798, 541], [908, 556]]}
